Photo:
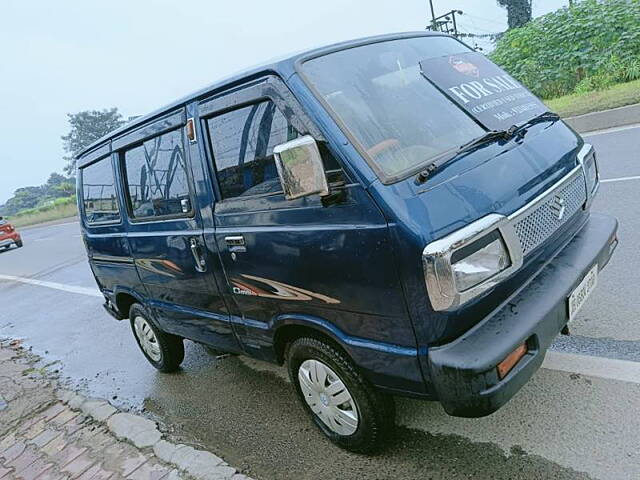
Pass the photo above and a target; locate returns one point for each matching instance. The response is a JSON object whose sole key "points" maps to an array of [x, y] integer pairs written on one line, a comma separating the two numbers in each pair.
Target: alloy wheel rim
{"points": [[328, 397], [147, 338]]}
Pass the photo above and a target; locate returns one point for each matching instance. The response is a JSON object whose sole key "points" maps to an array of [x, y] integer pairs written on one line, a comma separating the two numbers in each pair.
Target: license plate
{"points": [[580, 294]]}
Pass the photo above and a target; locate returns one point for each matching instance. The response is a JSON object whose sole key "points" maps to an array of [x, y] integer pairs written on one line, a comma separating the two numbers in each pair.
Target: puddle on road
{"points": [[253, 420]]}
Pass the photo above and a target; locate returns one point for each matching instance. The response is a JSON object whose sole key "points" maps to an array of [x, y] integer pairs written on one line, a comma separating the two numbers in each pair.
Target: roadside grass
{"points": [[36, 216], [580, 103]]}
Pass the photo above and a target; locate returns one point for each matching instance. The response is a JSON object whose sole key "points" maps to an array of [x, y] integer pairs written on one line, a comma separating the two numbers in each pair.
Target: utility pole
{"points": [[433, 14], [445, 23]]}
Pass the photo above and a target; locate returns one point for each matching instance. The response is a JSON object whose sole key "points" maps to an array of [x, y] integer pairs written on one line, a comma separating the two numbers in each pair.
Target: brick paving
{"points": [[41, 438]]}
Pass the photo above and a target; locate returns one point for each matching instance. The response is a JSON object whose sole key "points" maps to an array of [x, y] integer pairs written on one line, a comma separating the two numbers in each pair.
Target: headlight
{"points": [[470, 261], [479, 261], [591, 170], [587, 158]]}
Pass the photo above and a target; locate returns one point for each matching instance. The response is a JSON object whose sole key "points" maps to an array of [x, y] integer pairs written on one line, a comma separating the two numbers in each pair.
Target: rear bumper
{"points": [[112, 311], [464, 371]]}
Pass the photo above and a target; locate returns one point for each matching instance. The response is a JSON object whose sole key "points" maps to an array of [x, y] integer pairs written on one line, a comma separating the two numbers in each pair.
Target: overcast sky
{"points": [[64, 56]]}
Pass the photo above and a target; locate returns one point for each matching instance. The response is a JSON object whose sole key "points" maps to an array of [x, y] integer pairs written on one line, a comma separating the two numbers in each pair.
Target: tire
{"points": [[19, 244], [163, 350], [374, 411]]}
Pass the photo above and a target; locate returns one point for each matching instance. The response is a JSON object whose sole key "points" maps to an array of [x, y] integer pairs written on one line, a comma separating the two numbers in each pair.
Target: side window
{"points": [[242, 142], [99, 193], [156, 177]]}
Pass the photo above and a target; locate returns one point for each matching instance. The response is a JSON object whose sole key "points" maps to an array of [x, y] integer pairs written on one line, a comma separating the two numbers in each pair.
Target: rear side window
{"points": [[156, 177], [99, 193], [242, 142]]}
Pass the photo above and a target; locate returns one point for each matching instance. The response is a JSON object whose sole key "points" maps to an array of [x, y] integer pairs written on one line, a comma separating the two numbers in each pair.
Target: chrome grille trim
{"points": [[537, 221]]}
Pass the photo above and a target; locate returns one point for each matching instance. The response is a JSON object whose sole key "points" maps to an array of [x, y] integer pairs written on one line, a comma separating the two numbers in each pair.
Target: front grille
{"points": [[533, 227]]}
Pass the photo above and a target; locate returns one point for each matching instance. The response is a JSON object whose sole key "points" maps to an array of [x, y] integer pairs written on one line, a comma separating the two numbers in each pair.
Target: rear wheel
{"points": [[341, 402], [163, 350], [19, 243]]}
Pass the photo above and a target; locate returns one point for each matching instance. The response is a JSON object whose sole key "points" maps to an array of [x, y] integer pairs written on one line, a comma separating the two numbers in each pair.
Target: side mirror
{"points": [[300, 168]]}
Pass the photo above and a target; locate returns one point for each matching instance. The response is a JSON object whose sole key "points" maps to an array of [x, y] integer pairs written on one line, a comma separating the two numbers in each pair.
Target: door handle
{"points": [[236, 243], [201, 264]]}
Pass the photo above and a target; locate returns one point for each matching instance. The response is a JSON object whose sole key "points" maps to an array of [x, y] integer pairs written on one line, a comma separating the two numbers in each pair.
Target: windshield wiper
{"points": [[543, 117], [488, 137]]}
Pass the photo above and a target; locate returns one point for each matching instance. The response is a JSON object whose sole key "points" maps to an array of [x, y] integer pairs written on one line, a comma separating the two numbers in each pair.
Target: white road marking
{"points": [[610, 130], [92, 292], [620, 179], [601, 367]]}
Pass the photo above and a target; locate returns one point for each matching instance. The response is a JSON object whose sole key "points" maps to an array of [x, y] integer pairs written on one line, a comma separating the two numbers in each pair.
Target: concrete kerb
{"points": [[615, 117], [144, 433]]}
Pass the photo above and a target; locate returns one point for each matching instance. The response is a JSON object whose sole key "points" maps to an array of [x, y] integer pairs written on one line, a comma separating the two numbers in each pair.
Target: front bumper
{"points": [[464, 372], [10, 239]]}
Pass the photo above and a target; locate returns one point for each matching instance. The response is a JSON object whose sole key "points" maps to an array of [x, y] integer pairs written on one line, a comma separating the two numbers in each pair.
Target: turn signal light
{"points": [[505, 366], [191, 130]]}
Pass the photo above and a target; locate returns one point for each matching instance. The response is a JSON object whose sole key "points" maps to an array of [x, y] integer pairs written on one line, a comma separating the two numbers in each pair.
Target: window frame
{"points": [[108, 157], [214, 166], [267, 88], [122, 166]]}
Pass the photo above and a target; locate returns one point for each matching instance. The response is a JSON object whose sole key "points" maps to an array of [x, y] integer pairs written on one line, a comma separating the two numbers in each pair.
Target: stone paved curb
{"points": [[144, 433], [47, 433]]}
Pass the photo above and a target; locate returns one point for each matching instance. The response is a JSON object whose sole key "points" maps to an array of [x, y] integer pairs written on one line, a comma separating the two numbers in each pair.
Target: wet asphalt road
{"points": [[561, 425]]}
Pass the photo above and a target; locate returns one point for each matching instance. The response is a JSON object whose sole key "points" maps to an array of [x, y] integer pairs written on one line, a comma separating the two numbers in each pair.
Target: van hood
{"points": [[497, 178]]}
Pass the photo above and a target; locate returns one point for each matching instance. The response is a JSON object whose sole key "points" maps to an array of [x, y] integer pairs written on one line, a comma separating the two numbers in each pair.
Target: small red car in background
{"points": [[8, 235]]}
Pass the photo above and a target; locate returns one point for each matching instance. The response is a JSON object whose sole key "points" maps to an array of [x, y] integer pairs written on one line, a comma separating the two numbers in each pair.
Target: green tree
{"points": [[65, 189], [87, 127], [23, 198], [518, 12], [54, 180]]}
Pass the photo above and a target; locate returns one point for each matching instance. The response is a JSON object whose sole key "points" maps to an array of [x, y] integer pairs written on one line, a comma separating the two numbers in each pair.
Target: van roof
{"points": [[285, 66]]}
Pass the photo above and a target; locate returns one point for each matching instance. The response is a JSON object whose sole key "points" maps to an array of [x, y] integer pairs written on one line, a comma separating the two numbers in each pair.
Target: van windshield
{"points": [[400, 120]]}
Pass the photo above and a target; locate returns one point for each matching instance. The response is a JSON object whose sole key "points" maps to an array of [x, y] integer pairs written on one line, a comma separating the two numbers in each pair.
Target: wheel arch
{"points": [[124, 299], [288, 328], [392, 367]]}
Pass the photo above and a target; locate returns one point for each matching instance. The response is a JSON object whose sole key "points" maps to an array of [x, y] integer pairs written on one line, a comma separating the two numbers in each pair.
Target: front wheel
{"points": [[163, 350], [19, 244], [342, 403]]}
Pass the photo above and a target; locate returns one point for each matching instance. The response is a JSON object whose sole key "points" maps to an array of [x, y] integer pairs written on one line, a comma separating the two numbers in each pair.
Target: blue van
{"points": [[388, 216]]}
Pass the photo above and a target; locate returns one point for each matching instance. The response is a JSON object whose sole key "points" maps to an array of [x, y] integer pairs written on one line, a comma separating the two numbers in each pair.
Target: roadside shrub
{"points": [[590, 45], [50, 205], [612, 72]]}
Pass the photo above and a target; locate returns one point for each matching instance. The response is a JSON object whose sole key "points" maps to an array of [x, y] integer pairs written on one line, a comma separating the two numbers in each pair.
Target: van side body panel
{"points": [[327, 267], [108, 247]]}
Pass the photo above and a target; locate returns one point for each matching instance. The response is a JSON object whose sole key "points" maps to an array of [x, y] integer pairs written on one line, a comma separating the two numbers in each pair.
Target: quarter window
{"points": [[242, 142], [157, 180], [99, 193]]}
